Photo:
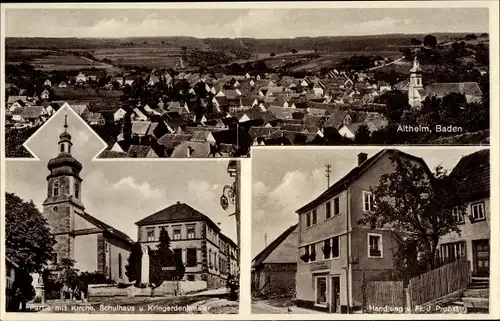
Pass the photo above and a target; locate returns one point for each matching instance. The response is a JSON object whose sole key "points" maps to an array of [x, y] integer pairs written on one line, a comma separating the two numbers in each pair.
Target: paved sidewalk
{"points": [[215, 305], [220, 291], [264, 307]]}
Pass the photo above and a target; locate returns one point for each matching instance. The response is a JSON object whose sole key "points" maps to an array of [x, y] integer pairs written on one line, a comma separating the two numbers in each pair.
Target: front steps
{"points": [[476, 297]]}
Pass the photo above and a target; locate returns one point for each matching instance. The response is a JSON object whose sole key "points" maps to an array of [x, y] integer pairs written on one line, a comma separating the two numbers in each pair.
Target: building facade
{"points": [[207, 254], [335, 252], [92, 244], [473, 175]]}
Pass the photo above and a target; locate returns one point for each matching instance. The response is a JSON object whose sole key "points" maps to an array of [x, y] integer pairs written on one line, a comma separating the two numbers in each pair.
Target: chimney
{"points": [[362, 157], [178, 203]]}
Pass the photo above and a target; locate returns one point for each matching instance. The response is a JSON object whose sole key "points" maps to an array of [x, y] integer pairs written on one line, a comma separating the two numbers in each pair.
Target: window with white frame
{"points": [[452, 251], [328, 206], [367, 201], [314, 217], [458, 216], [477, 211], [375, 248], [312, 252], [331, 248], [336, 206], [190, 231], [150, 234], [327, 249], [177, 232], [320, 290]]}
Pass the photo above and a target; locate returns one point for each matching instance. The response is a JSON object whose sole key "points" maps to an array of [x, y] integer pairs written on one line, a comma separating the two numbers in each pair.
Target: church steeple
{"points": [[64, 199], [416, 91], [65, 138], [64, 164], [416, 74]]}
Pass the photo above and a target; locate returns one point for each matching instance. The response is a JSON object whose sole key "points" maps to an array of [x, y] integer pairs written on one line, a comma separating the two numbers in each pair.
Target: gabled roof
{"points": [[57, 104], [259, 258], [472, 173], [32, 112], [200, 135], [79, 109], [112, 154], [13, 99], [443, 89], [151, 129], [170, 141], [281, 112], [138, 151], [196, 150], [140, 127], [108, 228], [295, 128], [95, 117], [354, 174], [179, 212], [258, 131]]}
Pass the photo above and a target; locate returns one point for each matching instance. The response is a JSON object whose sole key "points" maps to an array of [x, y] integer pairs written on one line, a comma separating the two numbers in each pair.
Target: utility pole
{"points": [[327, 174], [265, 240], [237, 207]]}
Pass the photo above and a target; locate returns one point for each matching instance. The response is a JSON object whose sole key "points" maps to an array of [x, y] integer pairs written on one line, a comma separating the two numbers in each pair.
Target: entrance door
{"points": [[482, 255], [335, 294]]}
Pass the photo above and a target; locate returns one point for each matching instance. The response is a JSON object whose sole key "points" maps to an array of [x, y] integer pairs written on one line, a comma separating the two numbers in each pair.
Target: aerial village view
{"points": [[217, 97]]}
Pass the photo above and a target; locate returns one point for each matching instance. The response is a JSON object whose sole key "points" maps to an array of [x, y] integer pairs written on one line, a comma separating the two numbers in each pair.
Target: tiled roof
{"points": [[32, 112], [179, 212], [259, 258], [195, 150], [79, 109], [140, 127], [443, 89], [170, 141], [138, 151], [472, 173], [108, 228], [112, 154], [256, 131]]}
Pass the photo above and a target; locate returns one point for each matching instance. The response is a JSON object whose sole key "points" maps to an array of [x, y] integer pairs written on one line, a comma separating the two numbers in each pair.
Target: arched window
{"points": [[69, 148], [119, 265], [62, 148]]}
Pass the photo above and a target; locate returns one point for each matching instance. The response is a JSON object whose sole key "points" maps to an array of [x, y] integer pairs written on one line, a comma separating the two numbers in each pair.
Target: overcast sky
{"points": [[285, 180], [233, 23], [121, 193]]}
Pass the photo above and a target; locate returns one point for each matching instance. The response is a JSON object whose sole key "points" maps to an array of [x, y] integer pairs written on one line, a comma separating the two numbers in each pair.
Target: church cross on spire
{"points": [[65, 122]]}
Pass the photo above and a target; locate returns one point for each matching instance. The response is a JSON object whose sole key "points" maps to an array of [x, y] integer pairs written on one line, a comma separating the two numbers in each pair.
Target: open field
{"points": [[329, 60], [20, 55], [64, 62], [153, 56]]}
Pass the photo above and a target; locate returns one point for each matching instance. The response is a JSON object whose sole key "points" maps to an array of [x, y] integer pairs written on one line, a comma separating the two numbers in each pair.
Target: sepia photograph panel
{"points": [[117, 237], [196, 83], [371, 230]]}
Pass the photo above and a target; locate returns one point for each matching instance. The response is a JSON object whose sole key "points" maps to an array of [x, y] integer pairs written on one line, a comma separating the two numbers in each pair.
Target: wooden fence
{"points": [[439, 282], [379, 294]]}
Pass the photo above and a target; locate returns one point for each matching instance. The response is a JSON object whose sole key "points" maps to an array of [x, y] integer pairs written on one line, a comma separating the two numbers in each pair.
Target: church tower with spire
{"points": [[416, 91], [63, 197]]}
